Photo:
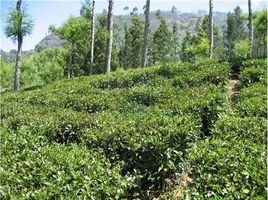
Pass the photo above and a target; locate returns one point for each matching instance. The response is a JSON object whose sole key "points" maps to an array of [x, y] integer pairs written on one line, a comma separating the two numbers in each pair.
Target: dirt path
{"points": [[233, 88]]}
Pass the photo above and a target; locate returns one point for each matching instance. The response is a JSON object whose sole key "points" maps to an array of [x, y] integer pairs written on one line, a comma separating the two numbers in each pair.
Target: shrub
{"points": [[55, 171], [237, 128], [254, 70], [140, 126], [257, 63], [252, 75], [233, 169], [252, 101], [128, 80]]}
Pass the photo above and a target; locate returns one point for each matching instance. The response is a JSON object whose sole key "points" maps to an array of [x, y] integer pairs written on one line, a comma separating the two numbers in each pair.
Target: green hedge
{"points": [[254, 71], [257, 63], [227, 169], [252, 101], [141, 122], [30, 169]]}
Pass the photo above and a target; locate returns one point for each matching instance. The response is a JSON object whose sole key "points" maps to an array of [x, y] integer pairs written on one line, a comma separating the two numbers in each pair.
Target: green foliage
{"points": [[237, 128], [252, 75], [260, 23], [44, 67], [200, 50], [100, 45], [132, 49], [18, 23], [73, 29], [162, 43], [256, 93], [176, 41], [39, 69], [235, 28], [86, 9], [254, 70], [188, 41], [55, 171], [259, 63], [241, 50], [238, 55], [231, 163], [232, 169], [6, 74], [134, 132], [135, 117]]}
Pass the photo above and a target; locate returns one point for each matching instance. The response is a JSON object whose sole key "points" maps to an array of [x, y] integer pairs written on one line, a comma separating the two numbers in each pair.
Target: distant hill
{"points": [[185, 21], [50, 41]]}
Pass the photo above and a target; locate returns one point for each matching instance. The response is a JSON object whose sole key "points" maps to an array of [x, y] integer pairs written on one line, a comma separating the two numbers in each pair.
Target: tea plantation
{"points": [[133, 134]]}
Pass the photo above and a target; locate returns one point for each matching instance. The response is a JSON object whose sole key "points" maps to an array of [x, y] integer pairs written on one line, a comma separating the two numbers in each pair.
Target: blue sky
{"points": [[56, 12]]}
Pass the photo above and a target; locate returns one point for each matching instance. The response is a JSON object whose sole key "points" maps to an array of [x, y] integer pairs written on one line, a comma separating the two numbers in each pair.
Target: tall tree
{"points": [[110, 38], [250, 28], [92, 37], [19, 24], [235, 29], [126, 49], [76, 32], [175, 31], [211, 28], [134, 42], [162, 41], [146, 31], [260, 24]]}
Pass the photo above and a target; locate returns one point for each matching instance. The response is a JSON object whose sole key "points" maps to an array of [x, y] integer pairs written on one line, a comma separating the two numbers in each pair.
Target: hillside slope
{"points": [[133, 134]]}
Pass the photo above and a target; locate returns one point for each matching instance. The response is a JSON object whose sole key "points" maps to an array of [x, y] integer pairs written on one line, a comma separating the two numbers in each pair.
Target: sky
{"points": [[56, 12]]}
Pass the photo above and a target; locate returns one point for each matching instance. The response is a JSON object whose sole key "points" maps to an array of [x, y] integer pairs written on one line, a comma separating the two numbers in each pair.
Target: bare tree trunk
{"points": [[18, 65], [18, 54], [211, 28], [110, 39], [250, 27], [92, 38], [146, 30]]}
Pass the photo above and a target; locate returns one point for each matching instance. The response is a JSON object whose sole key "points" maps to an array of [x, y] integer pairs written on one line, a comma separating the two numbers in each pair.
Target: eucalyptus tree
{"points": [[88, 11], [92, 37], [250, 28], [19, 24], [110, 38], [211, 38], [146, 31]]}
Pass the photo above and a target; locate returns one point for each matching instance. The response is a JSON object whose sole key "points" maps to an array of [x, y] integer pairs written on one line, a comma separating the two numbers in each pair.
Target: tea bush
{"points": [[31, 169], [129, 134], [254, 71], [252, 101], [227, 169], [257, 63], [231, 162]]}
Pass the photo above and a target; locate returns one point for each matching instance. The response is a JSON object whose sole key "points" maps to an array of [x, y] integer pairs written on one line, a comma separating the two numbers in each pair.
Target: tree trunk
{"points": [[18, 65], [211, 28], [250, 28], [110, 39], [92, 38], [18, 54], [146, 31]]}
